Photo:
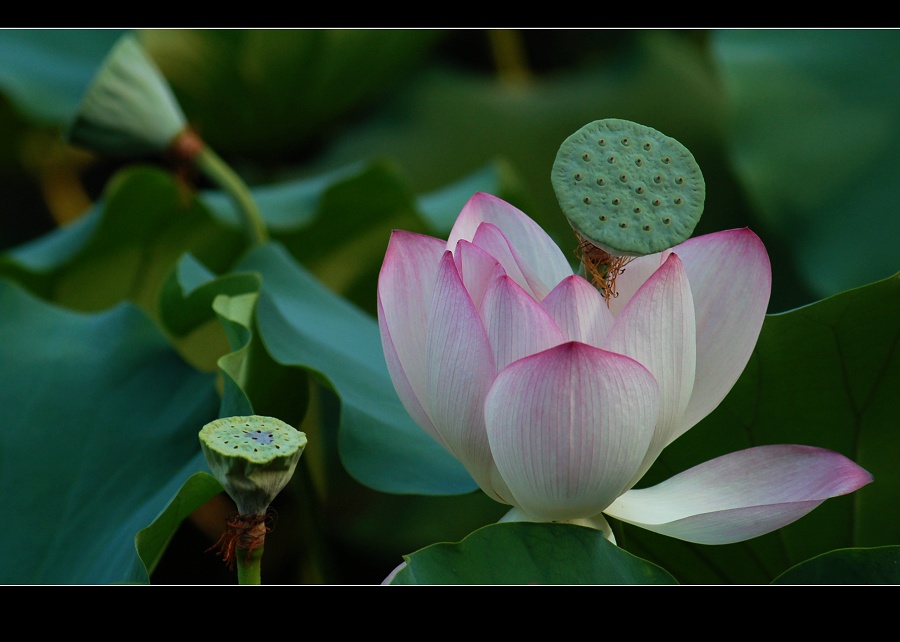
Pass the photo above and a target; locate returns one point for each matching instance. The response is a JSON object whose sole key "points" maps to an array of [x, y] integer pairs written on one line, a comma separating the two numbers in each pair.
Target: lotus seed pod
{"points": [[252, 457], [129, 108], [627, 188]]}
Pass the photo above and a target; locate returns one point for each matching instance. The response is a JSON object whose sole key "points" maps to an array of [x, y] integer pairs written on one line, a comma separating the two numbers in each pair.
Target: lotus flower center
{"points": [[602, 266]]}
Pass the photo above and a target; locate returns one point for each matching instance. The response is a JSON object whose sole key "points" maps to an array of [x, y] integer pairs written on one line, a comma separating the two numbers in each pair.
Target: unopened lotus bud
{"points": [[252, 457], [129, 108]]}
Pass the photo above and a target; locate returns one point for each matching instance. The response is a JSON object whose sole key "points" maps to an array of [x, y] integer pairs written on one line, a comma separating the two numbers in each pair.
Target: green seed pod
{"points": [[252, 457], [627, 188], [129, 108]]}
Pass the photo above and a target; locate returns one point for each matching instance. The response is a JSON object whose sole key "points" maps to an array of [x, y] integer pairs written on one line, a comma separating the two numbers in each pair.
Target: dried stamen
{"points": [[243, 532], [602, 266]]}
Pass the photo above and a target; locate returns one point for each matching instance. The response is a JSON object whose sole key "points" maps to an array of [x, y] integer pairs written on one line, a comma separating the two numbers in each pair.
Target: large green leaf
{"points": [[151, 542], [823, 375], [187, 296], [126, 248], [879, 565], [338, 224], [529, 553], [293, 325], [100, 423], [254, 383], [814, 128], [250, 373], [45, 71]]}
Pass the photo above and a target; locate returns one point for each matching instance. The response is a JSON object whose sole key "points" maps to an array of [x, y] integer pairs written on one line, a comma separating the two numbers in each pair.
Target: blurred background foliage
{"points": [[344, 135], [792, 128]]}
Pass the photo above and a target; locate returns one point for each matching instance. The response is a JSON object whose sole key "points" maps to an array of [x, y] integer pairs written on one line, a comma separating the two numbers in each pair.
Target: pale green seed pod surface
{"points": [[253, 458], [627, 188]]}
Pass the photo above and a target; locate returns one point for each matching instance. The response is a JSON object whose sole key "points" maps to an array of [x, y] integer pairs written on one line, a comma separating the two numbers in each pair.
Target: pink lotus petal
{"points": [[405, 286], [632, 278], [459, 369], [477, 268], [741, 495], [516, 324], [568, 427], [731, 280], [491, 240], [540, 259], [390, 578], [657, 329], [411, 400], [579, 310]]}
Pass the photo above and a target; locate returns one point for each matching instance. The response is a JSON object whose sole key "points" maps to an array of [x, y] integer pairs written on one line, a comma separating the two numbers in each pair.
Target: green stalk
{"points": [[508, 51], [218, 171], [248, 567]]}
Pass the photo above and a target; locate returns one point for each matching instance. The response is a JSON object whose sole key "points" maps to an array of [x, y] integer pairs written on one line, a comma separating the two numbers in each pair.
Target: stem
{"points": [[248, 566], [317, 566], [508, 51], [218, 171], [242, 544]]}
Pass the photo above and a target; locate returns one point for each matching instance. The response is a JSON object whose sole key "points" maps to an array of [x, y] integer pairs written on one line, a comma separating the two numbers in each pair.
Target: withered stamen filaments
{"points": [[602, 266]]}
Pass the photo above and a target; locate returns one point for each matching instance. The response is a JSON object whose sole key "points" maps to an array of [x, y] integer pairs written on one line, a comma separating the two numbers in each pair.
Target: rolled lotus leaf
{"points": [[252, 457], [627, 188]]}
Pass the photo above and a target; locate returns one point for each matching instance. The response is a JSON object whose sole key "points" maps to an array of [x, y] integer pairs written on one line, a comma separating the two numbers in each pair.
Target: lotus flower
{"points": [[557, 401]]}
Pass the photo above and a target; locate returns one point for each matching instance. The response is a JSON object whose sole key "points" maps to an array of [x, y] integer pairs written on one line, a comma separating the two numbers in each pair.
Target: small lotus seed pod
{"points": [[252, 457], [627, 188], [129, 108]]}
